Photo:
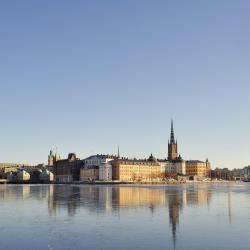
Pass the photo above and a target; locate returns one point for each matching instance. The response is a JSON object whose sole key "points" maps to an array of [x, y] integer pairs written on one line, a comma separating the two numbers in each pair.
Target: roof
{"points": [[102, 156], [89, 167], [135, 161], [152, 158], [196, 161]]}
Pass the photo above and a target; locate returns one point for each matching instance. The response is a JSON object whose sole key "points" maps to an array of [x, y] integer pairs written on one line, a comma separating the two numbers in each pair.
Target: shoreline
{"points": [[99, 183]]}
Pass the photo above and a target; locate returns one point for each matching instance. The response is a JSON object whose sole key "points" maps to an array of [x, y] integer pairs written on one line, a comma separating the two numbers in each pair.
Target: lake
{"points": [[195, 216]]}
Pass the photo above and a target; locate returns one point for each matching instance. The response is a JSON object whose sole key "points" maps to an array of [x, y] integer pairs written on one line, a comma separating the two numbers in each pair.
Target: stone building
{"points": [[221, 174], [174, 165], [22, 175], [89, 173], [246, 172], [11, 176], [137, 170], [198, 169], [53, 158], [68, 170], [8, 167], [101, 163], [35, 175], [229, 174], [105, 172], [46, 176]]}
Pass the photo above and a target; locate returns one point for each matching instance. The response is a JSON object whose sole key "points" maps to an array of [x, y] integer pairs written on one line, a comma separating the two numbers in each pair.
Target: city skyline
{"points": [[172, 154], [89, 76]]}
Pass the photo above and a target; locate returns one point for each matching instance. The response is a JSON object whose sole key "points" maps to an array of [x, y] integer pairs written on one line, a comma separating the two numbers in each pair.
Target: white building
{"points": [[22, 175], [46, 176], [105, 172], [246, 171], [178, 167], [11, 176], [102, 162], [174, 167]]}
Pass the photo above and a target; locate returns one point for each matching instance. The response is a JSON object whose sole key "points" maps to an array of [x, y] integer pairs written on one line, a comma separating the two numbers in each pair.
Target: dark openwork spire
{"points": [[172, 145], [172, 140]]}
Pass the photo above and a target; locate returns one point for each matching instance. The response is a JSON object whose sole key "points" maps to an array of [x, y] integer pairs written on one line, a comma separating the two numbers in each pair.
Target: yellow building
{"points": [[137, 170], [89, 173], [198, 168]]}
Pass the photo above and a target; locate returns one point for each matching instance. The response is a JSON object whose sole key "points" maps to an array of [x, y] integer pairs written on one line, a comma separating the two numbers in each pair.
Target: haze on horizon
{"points": [[87, 76]]}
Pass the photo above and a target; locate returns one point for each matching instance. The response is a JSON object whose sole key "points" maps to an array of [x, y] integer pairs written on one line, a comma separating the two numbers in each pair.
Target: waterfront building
{"points": [[221, 174], [237, 173], [68, 170], [97, 160], [22, 175], [130, 170], [35, 175], [105, 172], [46, 176], [174, 165], [198, 169], [11, 176], [101, 163], [246, 171], [8, 167], [89, 173], [53, 158], [140, 170], [227, 174]]}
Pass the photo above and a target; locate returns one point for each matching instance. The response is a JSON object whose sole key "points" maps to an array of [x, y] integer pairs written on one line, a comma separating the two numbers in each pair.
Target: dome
{"points": [[152, 158]]}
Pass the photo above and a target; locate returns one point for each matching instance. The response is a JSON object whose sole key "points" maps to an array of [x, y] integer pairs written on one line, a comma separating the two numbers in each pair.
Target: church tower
{"points": [[172, 145], [51, 158]]}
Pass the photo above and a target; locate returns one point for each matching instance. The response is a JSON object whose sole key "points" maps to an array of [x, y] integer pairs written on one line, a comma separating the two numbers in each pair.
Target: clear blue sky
{"points": [[87, 76]]}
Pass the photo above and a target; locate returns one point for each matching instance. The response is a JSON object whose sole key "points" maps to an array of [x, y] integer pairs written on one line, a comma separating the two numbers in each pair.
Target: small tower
{"points": [[118, 153], [51, 158], [172, 145], [56, 158]]}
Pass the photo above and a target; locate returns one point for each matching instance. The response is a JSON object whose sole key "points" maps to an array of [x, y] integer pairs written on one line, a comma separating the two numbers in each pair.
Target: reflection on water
{"points": [[188, 207]]}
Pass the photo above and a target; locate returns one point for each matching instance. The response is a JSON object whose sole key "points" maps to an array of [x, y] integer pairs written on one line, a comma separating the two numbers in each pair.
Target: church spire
{"points": [[172, 140], [172, 145]]}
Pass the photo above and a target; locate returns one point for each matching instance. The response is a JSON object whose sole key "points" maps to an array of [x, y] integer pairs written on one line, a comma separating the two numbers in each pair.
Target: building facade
{"points": [[246, 171], [8, 167], [137, 170], [53, 158], [221, 174], [105, 172], [174, 165], [22, 175], [68, 170], [89, 173], [102, 163], [46, 176], [198, 168]]}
